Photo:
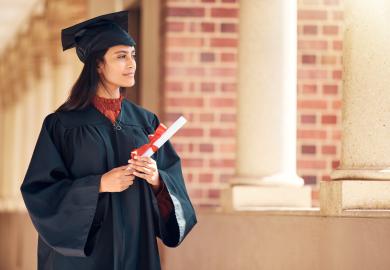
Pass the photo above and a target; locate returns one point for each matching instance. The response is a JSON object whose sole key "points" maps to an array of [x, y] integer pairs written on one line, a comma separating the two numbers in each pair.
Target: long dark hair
{"points": [[85, 87]]}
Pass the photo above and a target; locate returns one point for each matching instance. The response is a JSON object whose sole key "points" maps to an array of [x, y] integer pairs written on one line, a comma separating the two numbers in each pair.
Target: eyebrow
{"points": [[124, 51]]}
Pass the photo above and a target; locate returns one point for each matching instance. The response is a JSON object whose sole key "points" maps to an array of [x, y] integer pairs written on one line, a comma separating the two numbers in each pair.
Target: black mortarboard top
{"points": [[97, 34]]}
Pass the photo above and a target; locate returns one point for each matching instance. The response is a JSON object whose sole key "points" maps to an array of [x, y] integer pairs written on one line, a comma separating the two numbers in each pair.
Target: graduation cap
{"points": [[97, 34]]}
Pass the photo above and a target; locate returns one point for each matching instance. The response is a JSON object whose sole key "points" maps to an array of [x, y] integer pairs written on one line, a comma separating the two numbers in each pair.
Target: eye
{"points": [[123, 56], [134, 55]]}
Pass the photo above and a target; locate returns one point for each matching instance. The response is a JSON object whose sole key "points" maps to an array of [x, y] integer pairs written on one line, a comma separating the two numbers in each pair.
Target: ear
{"points": [[99, 66]]}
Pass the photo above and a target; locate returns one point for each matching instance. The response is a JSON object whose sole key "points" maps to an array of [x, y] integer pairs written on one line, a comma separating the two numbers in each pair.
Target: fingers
{"points": [[142, 161], [145, 176]]}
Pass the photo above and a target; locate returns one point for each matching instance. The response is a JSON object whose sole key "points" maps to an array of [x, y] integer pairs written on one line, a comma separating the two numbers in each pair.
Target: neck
{"points": [[108, 90]]}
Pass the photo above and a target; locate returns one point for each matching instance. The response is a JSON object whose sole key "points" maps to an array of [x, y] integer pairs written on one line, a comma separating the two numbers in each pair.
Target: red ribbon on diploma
{"points": [[152, 138]]}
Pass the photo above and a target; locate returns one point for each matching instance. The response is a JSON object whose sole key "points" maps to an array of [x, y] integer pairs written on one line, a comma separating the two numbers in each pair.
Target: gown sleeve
{"points": [[62, 209], [182, 219], [164, 202]]}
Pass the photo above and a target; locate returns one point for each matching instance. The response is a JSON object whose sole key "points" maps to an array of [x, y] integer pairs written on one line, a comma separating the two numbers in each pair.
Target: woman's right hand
{"points": [[116, 180]]}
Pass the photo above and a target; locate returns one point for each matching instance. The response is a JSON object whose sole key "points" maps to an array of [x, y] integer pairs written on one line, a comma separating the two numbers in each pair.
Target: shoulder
{"points": [[139, 115], [73, 118]]}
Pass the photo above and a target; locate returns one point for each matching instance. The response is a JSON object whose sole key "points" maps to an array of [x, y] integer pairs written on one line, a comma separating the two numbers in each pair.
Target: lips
{"points": [[129, 74]]}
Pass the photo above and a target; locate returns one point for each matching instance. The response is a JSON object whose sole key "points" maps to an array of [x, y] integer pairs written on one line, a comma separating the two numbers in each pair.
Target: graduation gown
{"points": [[80, 228]]}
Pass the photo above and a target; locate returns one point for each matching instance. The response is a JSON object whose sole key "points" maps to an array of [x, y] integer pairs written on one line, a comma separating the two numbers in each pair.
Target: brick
{"points": [[309, 89], [208, 27], [206, 117], [220, 132], [228, 28], [192, 162], [222, 102], [337, 74], [207, 87], [335, 164], [206, 147], [185, 102], [308, 59], [328, 149], [312, 15], [336, 135], [310, 179], [184, 42], [330, 89], [312, 164], [223, 42], [308, 149], [206, 178], [185, 12], [189, 132], [224, 12], [312, 104], [174, 86], [175, 26], [336, 104], [328, 60], [228, 87], [337, 45], [222, 163], [223, 72], [207, 57], [225, 178], [311, 134], [172, 116], [330, 29], [214, 193], [227, 148], [310, 29], [179, 147], [195, 193], [228, 57], [308, 119], [312, 45], [329, 119], [175, 57], [228, 117], [312, 74]]}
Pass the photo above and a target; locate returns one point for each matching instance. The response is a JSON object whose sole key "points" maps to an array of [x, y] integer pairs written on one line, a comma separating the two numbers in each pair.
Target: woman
{"points": [[94, 208]]}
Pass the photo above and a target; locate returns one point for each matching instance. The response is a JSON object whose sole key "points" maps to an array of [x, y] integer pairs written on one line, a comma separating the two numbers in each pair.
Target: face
{"points": [[118, 67]]}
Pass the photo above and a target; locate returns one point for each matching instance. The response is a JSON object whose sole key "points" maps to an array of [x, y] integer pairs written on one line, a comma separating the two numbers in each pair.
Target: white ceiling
{"points": [[13, 15]]}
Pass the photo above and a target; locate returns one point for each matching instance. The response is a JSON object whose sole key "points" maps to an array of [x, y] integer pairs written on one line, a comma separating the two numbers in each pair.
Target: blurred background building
{"points": [[285, 154]]}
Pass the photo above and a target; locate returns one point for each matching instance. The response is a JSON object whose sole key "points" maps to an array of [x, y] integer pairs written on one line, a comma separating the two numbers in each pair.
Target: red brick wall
{"points": [[320, 31], [200, 50], [200, 82]]}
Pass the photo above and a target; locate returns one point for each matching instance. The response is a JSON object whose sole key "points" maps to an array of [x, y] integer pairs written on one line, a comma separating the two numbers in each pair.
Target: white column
{"points": [[266, 156], [362, 179]]}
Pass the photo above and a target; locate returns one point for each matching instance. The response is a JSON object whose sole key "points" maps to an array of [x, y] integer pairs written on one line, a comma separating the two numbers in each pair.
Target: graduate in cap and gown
{"points": [[93, 206]]}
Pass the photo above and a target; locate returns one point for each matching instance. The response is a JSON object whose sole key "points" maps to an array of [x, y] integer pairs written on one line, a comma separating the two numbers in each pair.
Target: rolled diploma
{"points": [[178, 124]]}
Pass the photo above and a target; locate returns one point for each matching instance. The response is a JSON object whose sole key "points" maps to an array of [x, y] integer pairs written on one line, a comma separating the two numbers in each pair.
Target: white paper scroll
{"points": [[178, 124]]}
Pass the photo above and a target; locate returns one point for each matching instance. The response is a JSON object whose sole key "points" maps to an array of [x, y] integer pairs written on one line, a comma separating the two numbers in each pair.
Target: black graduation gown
{"points": [[80, 228]]}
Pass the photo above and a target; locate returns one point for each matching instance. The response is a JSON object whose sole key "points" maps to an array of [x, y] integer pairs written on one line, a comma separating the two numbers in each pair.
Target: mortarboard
{"points": [[97, 34]]}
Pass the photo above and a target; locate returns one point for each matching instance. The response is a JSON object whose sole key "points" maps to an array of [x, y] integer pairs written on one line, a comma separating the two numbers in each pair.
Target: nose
{"points": [[131, 63]]}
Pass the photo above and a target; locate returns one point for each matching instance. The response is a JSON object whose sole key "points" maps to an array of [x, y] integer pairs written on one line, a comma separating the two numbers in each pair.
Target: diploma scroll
{"points": [[156, 140]]}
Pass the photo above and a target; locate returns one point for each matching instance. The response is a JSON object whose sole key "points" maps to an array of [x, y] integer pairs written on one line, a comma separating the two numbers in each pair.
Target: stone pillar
{"points": [[266, 155], [97, 7], [65, 63], [362, 181], [43, 74]]}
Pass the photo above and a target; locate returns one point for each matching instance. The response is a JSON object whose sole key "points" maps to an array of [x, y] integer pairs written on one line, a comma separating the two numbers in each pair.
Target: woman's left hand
{"points": [[146, 168]]}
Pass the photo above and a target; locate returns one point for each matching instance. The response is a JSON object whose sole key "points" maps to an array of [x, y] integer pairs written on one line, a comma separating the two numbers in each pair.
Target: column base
{"points": [[340, 196], [245, 197]]}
